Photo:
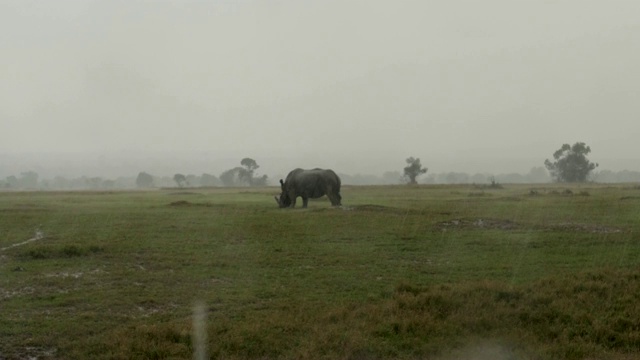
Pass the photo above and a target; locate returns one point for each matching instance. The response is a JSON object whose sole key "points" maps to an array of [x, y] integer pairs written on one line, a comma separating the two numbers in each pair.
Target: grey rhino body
{"points": [[309, 184]]}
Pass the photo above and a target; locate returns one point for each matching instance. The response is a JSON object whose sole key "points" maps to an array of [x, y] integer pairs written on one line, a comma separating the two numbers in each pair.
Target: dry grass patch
{"points": [[589, 315]]}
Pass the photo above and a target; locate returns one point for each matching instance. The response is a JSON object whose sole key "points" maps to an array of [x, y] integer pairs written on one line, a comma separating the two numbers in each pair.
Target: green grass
{"points": [[402, 272]]}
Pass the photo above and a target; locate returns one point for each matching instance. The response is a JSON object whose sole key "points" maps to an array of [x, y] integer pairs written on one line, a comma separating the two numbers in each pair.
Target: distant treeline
{"points": [[31, 181]]}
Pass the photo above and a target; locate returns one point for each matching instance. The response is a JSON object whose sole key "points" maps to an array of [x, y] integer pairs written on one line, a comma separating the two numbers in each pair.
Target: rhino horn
{"points": [[277, 200]]}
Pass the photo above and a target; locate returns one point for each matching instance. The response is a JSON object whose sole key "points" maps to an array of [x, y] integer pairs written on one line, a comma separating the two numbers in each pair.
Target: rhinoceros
{"points": [[309, 184]]}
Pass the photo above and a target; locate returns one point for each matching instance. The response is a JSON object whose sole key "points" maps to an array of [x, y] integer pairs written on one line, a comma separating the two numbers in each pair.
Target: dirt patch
{"points": [[587, 228], [64, 275], [371, 207], [317, 209], [184, 193], [185, 203], [499, 224], [24, 208], [8, 294], [478, 194], [630, 198], [148, 308], [31, 352], [380, 209], [502, 224], [565, 192]]}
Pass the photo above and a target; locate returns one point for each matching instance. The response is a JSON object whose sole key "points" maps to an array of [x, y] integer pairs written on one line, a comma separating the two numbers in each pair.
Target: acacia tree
{"points": [[413, 170], [571, 163], [243, 176], [180, 179], [144, 180], [250, 166], [12, 181], [209, 180], [232, 177]]}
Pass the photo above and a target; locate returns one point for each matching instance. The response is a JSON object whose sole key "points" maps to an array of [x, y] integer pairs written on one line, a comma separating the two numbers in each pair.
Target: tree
{"points": [[144, 180], [260, 181], [193, 180], [571, 163], [232, 177], [180, 179], [29, 180], [250, 166], [209, 180], [413, 170], [12, 181], [243, 176]]}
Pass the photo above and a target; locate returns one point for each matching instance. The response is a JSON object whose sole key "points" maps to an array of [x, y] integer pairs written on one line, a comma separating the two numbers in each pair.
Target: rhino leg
{"points": [[292, 198], [305, 202]]}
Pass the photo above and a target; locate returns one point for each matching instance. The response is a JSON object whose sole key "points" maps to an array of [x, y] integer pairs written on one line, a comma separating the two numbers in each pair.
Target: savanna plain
{"points": [[398, 272]]}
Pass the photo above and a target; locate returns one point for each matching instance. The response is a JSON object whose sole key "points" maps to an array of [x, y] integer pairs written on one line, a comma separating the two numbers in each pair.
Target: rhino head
{"points": [[284, 200]]}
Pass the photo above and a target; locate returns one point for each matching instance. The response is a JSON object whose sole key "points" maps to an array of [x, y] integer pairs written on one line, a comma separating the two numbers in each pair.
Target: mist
{"points": [[111, 88]]}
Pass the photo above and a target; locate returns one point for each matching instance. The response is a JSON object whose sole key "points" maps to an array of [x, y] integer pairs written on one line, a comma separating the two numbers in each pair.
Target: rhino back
{"points": [[312, 183]]}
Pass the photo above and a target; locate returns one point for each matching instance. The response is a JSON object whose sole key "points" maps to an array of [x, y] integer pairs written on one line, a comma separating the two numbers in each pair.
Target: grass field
{"points": [[399, 272]]}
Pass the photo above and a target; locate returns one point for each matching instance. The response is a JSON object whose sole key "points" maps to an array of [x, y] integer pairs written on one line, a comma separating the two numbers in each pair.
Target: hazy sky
{"points": [[493, 85]]}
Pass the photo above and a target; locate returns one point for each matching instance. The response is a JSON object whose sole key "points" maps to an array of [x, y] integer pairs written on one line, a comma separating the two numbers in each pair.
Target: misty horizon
{"points": [[50, 166], [100, 88]]}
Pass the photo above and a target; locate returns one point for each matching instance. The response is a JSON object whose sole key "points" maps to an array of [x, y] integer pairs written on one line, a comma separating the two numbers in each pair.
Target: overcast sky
{"points": [[492, 85]]}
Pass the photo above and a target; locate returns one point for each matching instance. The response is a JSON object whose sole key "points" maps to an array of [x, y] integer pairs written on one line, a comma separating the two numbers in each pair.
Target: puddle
{"points": [[502, 224], [478, 224]]}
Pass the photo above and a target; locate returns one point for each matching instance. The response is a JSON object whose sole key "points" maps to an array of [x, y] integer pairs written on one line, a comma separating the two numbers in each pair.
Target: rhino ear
{"points": [[282, 184]]}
